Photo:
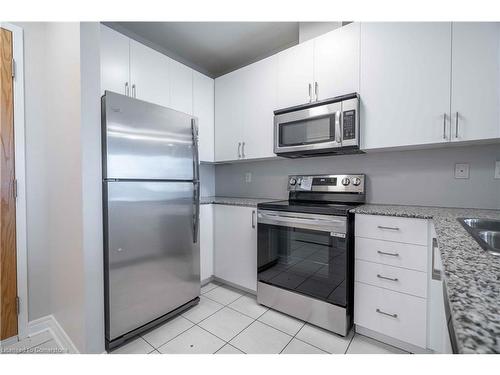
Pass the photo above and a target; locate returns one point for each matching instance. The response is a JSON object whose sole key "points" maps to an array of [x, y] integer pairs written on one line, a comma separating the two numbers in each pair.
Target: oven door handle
{"points": [[336, 225]]}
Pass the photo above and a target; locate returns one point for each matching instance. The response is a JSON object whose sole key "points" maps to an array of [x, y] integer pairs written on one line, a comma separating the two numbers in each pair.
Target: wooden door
{"points": [[8, 276]]}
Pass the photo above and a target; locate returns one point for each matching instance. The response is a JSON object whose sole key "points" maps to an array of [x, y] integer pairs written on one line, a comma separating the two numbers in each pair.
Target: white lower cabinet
{"points": [[206, 241], [398, 292], [391, 279], [236, 245]]}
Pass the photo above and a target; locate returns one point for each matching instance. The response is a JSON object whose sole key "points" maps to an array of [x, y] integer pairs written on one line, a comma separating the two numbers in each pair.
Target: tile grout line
{"points": [[350, 341], [292, 338], [142, 337]]}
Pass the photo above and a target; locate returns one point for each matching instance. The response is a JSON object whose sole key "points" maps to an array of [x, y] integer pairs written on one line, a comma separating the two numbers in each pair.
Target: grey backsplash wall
{"points": [[207, 180], [423, 177]]}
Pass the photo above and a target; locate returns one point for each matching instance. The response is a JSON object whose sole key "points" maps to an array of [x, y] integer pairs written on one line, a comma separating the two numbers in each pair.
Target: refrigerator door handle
{"points": [[196, 180], [196, 210]]}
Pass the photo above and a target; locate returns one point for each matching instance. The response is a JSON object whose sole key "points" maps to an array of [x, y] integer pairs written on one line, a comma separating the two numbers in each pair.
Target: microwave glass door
{"points": [[307, 131], [304, 261]]}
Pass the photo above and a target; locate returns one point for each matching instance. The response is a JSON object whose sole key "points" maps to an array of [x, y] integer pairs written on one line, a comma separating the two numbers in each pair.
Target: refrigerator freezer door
{"points": [[152, 263], [145, 141]]}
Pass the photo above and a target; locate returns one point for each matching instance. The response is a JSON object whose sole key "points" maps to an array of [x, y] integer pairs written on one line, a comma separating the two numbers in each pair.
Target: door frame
{"points": [[20, 173]]}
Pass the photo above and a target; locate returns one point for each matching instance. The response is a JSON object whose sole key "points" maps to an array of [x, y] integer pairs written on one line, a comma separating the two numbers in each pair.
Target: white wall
{"points": [[424, 177], [310, 30], [64, 178], [207, 180], [92, 185]]}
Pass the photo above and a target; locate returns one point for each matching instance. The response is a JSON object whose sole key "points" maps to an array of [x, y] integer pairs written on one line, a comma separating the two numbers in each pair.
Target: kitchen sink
{"points": [[485, 231]]}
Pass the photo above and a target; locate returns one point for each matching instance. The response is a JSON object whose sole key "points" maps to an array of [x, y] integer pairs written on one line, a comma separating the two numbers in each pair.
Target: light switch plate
{"points": [[248, 177], [461, 170], [497, 169]]}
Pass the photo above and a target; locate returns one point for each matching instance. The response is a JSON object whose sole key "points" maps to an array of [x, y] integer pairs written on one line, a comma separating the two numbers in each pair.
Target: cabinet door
{"points": [[203, 108], [206, 241], [475, 81], [336, 62], [259, 101], [181, 87], [236, 245], [229, 116], [295, 74], [149, 74], [405, 84], [115, 74]]}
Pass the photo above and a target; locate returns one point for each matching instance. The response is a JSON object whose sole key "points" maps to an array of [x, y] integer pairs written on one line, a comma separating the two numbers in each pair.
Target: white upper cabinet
{"points": [[181, 87], [295, 75], [259, 98], [115, 75], [405, 84], [203, 109], [149, 74], [229, 117], [475, 81], [336, 62]]}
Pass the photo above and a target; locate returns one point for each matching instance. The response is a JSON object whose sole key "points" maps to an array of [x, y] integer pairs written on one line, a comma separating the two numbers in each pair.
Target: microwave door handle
{"points": [[338, 139]]}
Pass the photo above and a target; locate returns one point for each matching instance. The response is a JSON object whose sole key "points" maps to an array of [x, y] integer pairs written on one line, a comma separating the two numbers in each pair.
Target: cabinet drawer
{"points": [[391, 228], [392, 253], [393, 278], [393, 314]]}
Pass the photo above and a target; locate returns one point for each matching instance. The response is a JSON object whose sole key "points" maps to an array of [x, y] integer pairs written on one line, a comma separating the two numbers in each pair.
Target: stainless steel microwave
{"points": [[330, 126]]}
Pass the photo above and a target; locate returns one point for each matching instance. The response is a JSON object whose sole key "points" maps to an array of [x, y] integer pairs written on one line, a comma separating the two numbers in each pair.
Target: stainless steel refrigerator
{"points": [[151, 215]]}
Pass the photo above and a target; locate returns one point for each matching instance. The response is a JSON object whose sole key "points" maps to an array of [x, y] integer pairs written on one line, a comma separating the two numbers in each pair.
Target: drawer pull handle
{"points": [[391, 254], [387, 278], [389, 228], [388, 314]]}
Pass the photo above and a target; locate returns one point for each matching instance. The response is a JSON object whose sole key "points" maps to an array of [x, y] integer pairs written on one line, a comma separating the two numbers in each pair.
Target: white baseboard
{"points": [[9, 341], [49, 323], [391, 341]]}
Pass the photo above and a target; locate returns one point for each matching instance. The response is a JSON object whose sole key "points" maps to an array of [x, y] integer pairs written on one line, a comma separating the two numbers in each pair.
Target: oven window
{"points": [[303, 132], [304, 261]]}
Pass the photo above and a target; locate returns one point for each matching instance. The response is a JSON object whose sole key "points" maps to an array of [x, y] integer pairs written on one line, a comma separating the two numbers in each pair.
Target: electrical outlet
{"points": [[497, 169], [248, 177], [461, 170]]}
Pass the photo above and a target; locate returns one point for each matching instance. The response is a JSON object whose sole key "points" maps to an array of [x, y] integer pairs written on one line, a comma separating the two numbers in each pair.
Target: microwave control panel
{"points": [[349, 125]]}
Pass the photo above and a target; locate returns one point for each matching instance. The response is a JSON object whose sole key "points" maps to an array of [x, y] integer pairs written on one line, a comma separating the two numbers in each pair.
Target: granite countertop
{"points": [[232, 201], [471, 275]]}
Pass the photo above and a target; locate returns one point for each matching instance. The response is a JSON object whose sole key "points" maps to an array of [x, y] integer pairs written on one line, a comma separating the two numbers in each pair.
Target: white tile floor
{"points": [[229, 321]]}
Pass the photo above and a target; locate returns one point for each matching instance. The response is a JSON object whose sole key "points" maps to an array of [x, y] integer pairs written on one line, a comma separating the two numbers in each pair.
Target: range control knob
{"points": [[356, 181], [292, 181], [346, 181]]}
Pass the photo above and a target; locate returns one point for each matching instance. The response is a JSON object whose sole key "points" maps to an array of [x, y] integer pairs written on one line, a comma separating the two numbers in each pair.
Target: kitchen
{"points": [[335, 194]]}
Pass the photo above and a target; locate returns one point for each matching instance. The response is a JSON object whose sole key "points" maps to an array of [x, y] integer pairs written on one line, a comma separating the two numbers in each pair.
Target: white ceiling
{"points": [[213, 48]]}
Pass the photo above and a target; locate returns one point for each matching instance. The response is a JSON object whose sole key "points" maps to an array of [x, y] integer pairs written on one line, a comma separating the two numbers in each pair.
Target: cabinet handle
{"points": [[253, 219], [391, 254], [243, 150], [310, 93], [389, 228], [444, 125], [436, 274], [456, 125], [316, 90], [126, 89], [239, 150], [133, 91], [385, 313], [387, 278]]}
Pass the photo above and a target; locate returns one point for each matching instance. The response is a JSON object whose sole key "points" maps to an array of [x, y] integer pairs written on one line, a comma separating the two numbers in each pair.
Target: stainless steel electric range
{"points": [[306, 250]]}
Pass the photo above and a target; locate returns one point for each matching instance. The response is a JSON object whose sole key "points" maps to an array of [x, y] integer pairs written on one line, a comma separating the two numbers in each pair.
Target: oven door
{"points": [[304, 253], [309, 129]]}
